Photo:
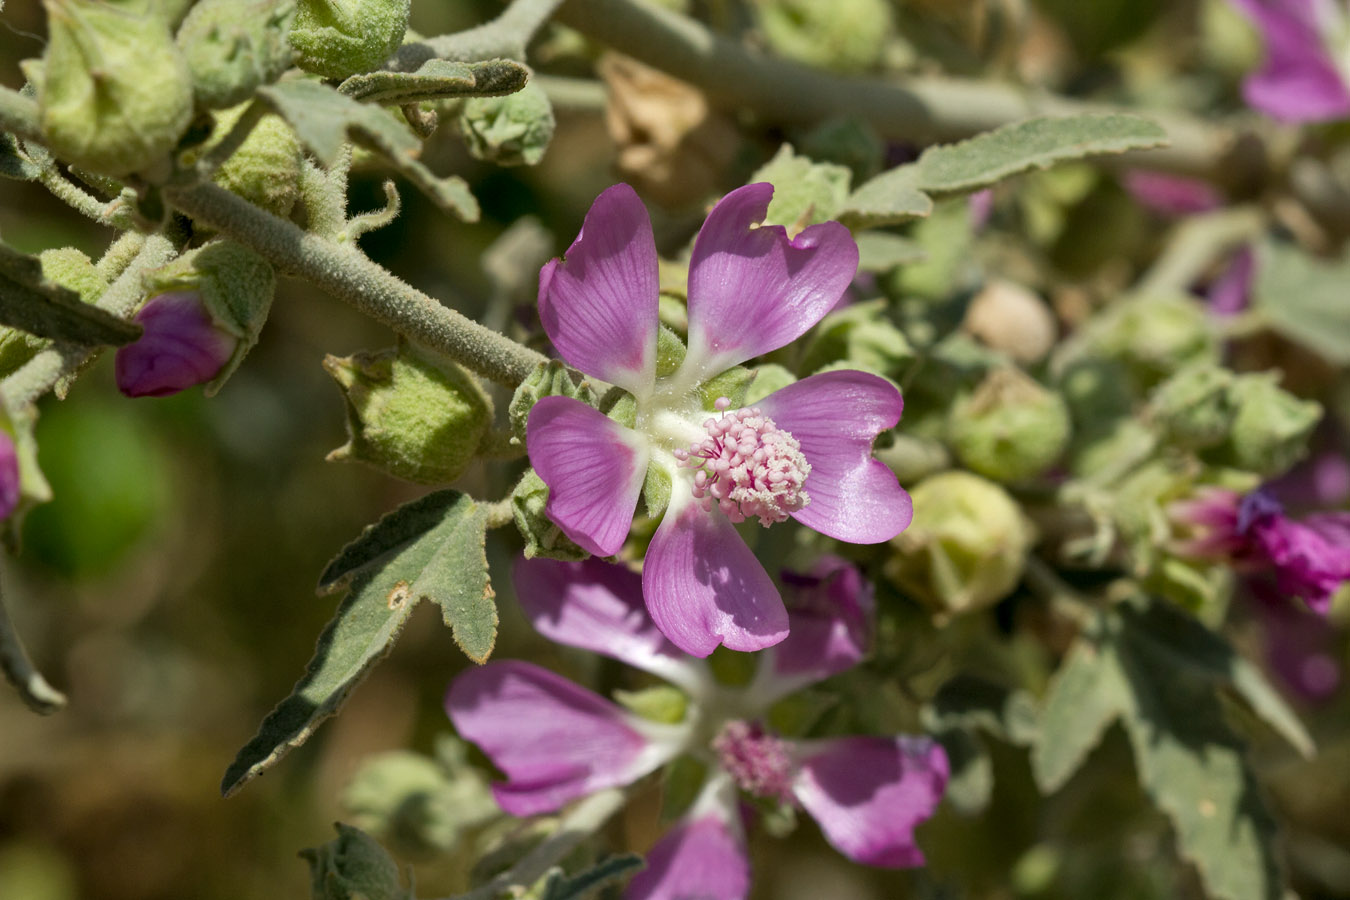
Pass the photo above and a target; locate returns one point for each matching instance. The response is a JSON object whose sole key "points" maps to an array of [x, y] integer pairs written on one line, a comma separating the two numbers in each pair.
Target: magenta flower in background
{"points": [[180, 347], [802, 452], [9, 476], [1171, 196], [1309, 559], [1230, 292], [557, 742], [1301, 649], [1303, 76]]}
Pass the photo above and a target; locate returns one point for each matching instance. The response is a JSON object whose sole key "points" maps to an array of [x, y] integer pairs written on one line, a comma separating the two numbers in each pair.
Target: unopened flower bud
{"points": [[1010, 318], [967, 546], [513, 130], [847, 35], [206, 311], [115, 95], [1193, 408], [339, 38], [265, 170], [1010, 428], [1155, 336], [1271, 428], [181, 347], [232, 47], [353, 867], [410, 416]]}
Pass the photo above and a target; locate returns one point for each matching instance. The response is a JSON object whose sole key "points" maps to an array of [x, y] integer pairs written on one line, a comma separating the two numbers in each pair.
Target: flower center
{"points": [[758, 762], [748, 466]]}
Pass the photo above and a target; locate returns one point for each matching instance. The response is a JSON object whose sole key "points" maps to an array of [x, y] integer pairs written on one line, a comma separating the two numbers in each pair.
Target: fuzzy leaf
{"points": [[1193, 767], [888, 199], [1304, 299], [32, 303], [431, 548], [438, 79], [583, 884], [1086, 695], [324, 119], [14, 163]]}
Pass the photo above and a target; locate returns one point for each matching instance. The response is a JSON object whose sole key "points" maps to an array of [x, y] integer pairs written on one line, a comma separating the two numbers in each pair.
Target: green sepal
{"points": [[514, 130], [265, 169], [529, 499], [1271, 426], [620, 406], [549, 379], [658, 703], [341, 38], [670, 351], [656, 489], [234, 46], [733, 384]]}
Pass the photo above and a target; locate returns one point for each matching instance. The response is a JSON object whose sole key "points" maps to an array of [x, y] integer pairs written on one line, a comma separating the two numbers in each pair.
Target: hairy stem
{"points": [[18, 668], [505, 36], [345, 272], [116, 213]]}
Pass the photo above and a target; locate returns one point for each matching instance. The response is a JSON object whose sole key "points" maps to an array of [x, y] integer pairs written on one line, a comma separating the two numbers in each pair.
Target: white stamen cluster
{"points": [[748, 466]]}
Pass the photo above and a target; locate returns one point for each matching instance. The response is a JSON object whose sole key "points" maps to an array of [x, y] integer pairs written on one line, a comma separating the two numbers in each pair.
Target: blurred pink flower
{"points": [[1301, 79]]}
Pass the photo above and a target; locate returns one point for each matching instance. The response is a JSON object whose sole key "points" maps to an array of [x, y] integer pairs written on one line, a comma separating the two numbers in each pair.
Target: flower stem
{"points": [[505, 36], [345, 272], [18, 668]]}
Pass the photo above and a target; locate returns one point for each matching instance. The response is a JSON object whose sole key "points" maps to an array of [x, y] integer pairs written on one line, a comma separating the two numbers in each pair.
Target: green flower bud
{"points": [[265, 170], [69, 268], [549, 379], [233, 47], [1271, 427], [846, 35], [340, 38], [353, 867], [1154, 336], [513, 130], [409, 416], [416, 804], [849, 142], [1193, 409], [236, 287], [542, 537], [115, 95], [966, 548], [1011, 428], [805, 192]]}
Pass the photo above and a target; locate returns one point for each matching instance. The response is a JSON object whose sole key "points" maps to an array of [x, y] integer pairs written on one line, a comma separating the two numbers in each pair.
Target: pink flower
{"points": [[557, 742], [1303, 77], [1308, 559], [803, 452], [181, 347], [10, 483], [1171, 195]]}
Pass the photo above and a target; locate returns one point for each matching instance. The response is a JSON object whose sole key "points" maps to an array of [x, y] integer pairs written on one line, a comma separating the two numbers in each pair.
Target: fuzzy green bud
{"points": [[265, 170], [966, 548], [340, 38], [513, 130], [542, 537], [846, 35], [236, 287], [353, 867], [410, 416], [115, 94], [1010, 428], [1193, 409], [1154, 336], [233, 47], [1271, 426], [805, 192]]}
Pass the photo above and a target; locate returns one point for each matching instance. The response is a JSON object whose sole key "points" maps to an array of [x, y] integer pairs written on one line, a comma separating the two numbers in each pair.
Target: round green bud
{"points": [[340, 38], [1155, 336], [1193, 409], [846, 35], [513, 130], [232, 47], [265, 170], [1010, 428], [115, 94], [966, 548], [354, 867], [1271, 427], [236, 286], [410, 416]]}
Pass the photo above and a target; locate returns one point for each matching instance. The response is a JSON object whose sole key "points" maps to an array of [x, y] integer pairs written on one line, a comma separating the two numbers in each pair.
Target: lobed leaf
{"points": [[431, 548], [32, 303], [438, 79], [1086, 695], [324, 120]]}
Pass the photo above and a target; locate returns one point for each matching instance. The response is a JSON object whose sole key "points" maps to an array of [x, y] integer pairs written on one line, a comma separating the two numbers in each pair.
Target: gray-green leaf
{"points": [[14, 163], [1086, 695], [34, 304], [1304, 299], [324, 119], [583, 884], [438, 79], [431, 548]]}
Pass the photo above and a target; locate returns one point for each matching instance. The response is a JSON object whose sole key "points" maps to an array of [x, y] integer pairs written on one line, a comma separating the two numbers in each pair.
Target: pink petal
{"points": [[180, 347], [594, 468], [597, 606], [555, 741], [868, 794], [751, 290], [830, 611], [1299, 81], [699, 858], [836, 416], [598, 303], [10, 483], [704, 587]]}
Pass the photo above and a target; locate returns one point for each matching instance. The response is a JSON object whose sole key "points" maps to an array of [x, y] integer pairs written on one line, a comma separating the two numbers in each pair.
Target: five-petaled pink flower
{"points": [[803, 451], [556, 741]]}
